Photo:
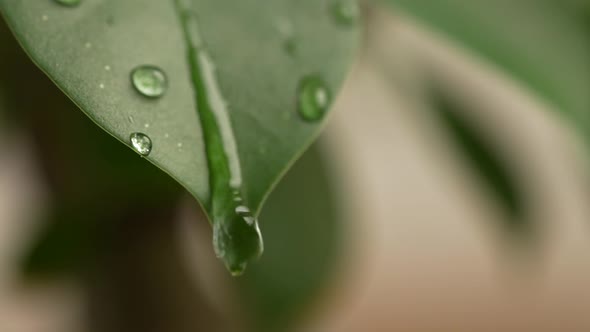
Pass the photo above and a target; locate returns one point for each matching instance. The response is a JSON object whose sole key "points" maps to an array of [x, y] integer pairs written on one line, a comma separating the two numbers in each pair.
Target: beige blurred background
{"points": [[422, 250]]}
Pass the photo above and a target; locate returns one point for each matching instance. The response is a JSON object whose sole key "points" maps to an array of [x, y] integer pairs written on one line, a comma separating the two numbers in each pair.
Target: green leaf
{"points": [[542, 43], [229, 110], [304, 227]]}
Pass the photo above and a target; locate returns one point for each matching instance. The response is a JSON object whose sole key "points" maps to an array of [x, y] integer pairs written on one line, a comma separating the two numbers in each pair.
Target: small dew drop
{"points": [[101, 86], [141, 143], [290, 46], [284, 26], [146, 126], [166, 135], [149, 80], [345, 12], [88, 45], [179, 145], [314, 98], [107, 68], [45, 18], [68, 3]]}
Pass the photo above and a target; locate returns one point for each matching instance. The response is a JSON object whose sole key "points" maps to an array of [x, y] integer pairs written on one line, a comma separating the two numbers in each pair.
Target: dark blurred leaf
{"points": [[70, 242], [485, 159], [303, 240], [542, 43]]}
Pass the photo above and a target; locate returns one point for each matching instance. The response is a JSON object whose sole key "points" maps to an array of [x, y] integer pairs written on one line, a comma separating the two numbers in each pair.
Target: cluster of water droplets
{"points": [[236, 235]]}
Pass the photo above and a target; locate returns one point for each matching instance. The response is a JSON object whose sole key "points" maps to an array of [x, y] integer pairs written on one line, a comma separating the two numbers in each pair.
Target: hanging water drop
{"points": [[69, 3], [237, 240], [236, 236], [141, 143], [345, 12], [314, 98], [149, 80]]}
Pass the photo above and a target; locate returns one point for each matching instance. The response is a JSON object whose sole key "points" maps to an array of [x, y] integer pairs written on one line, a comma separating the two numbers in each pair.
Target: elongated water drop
{"points": [[314, 98], [149, 80], [345, 12], [69, 3], [237, 240], [141, 143], [236, 236]]}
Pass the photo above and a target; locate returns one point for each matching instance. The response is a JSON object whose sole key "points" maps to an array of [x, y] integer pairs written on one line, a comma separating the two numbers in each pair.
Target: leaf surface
{"points": [[227, 124]]}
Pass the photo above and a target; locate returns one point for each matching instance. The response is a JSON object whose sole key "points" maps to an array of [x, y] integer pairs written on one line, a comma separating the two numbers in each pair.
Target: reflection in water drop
{"points": [[141, 143], [149, 80], [314, 98]]}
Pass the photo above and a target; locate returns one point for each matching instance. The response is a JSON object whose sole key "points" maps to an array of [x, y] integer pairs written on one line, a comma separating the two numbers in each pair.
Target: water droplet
{"points": [[236, 236], [146, 126], [107, 68], [314, 98], [285, 28], [290, 46], [44, 17], [179, 145], [141, 143], [166, 135], [238, 239], [345, 12], [69, 3], [150, 81], [88, 45], [101, 85]]}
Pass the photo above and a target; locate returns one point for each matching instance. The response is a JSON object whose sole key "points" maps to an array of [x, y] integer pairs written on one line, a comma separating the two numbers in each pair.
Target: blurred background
{"points": [[444, 195]]}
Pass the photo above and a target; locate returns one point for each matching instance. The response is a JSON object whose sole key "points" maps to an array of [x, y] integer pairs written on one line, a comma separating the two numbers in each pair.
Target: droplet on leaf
{"points": [[314, 98], [150, 81], [141, 143]]}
